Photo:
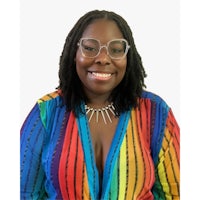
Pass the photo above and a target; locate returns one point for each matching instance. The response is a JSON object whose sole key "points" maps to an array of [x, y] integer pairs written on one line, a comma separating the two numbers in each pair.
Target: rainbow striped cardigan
{"points": [[57, 156]]}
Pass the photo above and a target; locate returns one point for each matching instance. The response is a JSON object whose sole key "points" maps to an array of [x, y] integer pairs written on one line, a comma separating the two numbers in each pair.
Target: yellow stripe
{"points": [[162, 173], [123, 169]]}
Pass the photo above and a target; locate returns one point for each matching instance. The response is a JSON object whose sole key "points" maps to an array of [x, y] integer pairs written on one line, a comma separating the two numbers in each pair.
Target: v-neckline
{"points": [[91, 167]]}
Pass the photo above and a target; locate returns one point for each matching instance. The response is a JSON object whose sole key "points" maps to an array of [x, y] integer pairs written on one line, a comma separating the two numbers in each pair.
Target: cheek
{"points": [[82, 66], [122, 70], [125, 64], [80, 61], [122, 66]]}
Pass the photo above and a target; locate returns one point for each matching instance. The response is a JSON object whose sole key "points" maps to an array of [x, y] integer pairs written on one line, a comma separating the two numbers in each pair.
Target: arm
{"points": [[32, 175], [167, 169]]}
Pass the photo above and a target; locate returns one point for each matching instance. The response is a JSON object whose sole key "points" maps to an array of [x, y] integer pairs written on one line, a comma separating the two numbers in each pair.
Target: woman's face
{"points": [[100, 75]]}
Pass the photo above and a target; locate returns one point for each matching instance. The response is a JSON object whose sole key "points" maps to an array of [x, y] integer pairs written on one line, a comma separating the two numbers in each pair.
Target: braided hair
{"points": [[125, 95]]}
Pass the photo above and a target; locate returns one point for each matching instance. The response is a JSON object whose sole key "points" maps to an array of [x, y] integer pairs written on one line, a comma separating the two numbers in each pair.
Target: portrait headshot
{"points": [[99, 100]]}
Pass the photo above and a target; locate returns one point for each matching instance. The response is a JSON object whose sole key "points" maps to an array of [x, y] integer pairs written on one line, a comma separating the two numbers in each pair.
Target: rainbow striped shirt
{"points": [[58, 162]]}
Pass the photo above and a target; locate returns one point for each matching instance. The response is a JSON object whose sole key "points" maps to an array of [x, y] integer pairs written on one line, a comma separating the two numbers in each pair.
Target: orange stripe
{"points": [[174, 130], [86, 194], [131, 160], [171, 163], [48, 96]]}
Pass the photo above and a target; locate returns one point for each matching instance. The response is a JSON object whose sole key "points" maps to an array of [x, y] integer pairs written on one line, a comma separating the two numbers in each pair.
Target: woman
{"points": [[100, 135]]}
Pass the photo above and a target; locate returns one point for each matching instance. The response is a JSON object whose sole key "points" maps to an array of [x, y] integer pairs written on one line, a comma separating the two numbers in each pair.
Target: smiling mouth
{"points": [[101, 76]]}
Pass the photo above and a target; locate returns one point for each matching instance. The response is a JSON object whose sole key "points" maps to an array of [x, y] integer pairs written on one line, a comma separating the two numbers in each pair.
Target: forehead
{"points": [[103, 30]]}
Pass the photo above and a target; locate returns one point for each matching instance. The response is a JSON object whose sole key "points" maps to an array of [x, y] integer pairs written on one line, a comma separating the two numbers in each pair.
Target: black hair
{"points": [[126, 94]]}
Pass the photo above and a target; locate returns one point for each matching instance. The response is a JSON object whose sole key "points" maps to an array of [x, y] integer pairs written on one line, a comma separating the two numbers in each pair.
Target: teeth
{"points": [[101, 75]]}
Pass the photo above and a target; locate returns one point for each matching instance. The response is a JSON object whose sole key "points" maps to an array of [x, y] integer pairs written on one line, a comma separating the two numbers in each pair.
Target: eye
{"points": [[89, 48], [117, 50]]}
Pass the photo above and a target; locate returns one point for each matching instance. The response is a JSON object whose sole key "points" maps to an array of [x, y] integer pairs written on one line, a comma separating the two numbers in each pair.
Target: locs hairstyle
{"points": [[126, 93]]}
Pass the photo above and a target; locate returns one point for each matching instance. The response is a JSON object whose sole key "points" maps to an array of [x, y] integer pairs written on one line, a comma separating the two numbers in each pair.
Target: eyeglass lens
{"points": [[91, 47]]}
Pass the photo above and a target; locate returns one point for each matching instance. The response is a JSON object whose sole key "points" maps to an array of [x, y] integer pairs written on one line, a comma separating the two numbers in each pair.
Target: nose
{"points": [[103, 57]]}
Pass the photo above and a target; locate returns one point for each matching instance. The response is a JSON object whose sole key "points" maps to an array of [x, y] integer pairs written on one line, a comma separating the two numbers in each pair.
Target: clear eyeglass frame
{"points": [[80, 44]]}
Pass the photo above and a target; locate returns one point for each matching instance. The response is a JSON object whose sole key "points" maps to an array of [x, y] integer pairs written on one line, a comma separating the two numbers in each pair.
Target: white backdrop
{"points": [[44, 25]]}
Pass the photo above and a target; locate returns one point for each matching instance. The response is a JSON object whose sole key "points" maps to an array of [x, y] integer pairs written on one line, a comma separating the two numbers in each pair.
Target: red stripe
{"points": [[70, 168], [71, 163], [64, 159]]}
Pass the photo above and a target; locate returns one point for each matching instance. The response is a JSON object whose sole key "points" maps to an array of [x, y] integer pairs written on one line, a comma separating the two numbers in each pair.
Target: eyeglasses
{"points": [[116, 49]]}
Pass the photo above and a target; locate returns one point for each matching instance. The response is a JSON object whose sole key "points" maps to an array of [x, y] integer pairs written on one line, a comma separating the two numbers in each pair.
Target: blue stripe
{"points": [[32, 137], [158, 132], [92, 172]]}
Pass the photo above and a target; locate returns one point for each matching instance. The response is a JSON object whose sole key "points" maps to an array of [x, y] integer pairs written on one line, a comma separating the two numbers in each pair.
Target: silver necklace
{"points": [[104, 112]]}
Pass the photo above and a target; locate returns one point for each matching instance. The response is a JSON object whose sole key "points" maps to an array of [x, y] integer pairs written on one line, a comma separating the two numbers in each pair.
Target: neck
{"points": [[98, 101]]}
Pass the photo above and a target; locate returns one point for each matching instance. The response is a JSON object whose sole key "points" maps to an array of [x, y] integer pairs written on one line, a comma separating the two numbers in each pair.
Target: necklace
{"points": [[104, 112]]}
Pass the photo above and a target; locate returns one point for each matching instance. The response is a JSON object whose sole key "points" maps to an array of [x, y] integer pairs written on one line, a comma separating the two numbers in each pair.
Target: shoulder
{"points": [[154, 98], [50, 105], [50, 101], [49, 97], [53, 98]]}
